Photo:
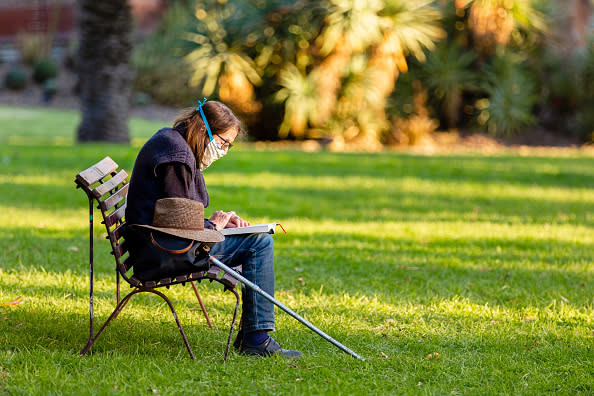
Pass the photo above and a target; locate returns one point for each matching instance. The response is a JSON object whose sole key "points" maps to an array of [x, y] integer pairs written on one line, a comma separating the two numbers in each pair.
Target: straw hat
{"points": [[183, 218]]}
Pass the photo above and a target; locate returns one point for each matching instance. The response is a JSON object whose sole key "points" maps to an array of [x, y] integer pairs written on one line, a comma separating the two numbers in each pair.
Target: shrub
{"points": [[44, 70], [448, 73], [167, 85], [50, 88], [16, 79], [415, 128], [33, 46], [158, 62], [142, 99], [510, 97]]}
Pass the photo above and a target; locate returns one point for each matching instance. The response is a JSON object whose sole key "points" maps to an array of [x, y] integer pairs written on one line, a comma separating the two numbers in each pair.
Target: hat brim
{"points": [[204, 235]]}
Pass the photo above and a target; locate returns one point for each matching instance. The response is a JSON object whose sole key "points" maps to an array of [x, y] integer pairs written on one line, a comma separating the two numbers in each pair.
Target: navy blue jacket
{"points": [[167, 146]]}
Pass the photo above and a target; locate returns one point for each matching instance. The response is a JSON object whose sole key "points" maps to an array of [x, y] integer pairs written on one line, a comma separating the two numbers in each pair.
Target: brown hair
{"points": [[220, 119]]}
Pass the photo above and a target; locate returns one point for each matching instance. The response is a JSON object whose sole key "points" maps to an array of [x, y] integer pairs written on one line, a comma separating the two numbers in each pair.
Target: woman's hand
{"points": [[236, 221], [227, 220]]}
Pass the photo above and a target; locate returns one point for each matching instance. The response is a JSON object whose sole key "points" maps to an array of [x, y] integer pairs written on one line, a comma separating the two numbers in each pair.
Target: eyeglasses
{"points": [[227, 144]]}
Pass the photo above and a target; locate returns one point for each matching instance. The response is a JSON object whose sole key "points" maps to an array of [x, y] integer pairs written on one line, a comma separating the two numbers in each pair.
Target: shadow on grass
{"points": [[339, 204], [460, 337], [512, 169], [498, 271]]}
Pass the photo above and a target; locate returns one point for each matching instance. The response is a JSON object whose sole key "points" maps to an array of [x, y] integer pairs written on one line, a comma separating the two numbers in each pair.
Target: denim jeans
{"points": [[255, 253]]}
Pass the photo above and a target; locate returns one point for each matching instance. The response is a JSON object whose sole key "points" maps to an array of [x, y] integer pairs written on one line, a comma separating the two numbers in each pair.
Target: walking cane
{"points": [[267, 296]]}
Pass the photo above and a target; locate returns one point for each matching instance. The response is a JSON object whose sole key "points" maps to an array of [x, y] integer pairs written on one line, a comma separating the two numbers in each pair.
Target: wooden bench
{"points": [[107, 186]]}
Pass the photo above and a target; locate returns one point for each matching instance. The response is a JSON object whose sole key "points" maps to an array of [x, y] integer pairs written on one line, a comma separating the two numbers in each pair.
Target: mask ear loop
{"points": [[199, 108]]}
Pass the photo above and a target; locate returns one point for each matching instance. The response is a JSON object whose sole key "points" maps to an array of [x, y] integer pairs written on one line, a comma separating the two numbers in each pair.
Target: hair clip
{"points": [[200, 104]]}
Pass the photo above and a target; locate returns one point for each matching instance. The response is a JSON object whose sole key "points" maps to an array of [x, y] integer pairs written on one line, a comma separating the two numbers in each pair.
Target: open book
{"points": [[268, 228]]}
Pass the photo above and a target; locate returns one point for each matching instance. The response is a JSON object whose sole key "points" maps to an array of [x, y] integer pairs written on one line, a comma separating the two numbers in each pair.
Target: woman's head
{"points": [[224, 125]]}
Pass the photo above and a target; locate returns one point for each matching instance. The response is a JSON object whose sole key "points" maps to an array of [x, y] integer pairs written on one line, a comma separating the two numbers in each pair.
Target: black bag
{"points": [[156, 255]]}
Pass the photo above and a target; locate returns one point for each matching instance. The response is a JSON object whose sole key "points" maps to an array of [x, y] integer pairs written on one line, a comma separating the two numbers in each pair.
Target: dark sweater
{"points": [[165, 167]]}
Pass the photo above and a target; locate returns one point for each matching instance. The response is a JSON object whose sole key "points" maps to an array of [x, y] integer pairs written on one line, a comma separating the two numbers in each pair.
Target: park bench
{"points": [[107, 187]]}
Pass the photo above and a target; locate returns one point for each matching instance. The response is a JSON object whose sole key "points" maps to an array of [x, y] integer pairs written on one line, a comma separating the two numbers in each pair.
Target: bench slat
{"points": [[112, 183], [229, 280], [114, 199], [117, 232], [120, 249], [134, 281], [115, 216], [213, 272], [165, 281], [126, 265], [97, 172]]}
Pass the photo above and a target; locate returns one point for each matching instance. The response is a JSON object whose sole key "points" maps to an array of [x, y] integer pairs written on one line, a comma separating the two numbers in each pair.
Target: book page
{"points": [[268, 228]]}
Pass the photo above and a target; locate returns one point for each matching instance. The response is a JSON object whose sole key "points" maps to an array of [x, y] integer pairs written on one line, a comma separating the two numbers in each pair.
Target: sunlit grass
{"points": [[24, 126], [451, 274]]}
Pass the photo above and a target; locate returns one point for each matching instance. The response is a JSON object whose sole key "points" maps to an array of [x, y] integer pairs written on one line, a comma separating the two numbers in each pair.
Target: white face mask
{"points": [[212, 152]]}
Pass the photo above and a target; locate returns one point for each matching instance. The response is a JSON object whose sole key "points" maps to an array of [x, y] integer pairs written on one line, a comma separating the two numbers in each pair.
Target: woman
{"points": [[170, 164]]}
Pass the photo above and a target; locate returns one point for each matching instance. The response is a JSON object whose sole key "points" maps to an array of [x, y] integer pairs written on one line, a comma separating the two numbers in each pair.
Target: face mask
{"points": [[212, 152]]}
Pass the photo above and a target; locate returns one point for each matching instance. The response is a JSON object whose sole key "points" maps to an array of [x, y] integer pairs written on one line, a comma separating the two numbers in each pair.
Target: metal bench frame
{"points": [[107, 186]]}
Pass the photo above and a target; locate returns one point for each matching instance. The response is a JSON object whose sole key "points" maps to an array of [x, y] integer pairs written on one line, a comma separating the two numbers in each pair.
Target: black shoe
{"points": [[268, 348]]}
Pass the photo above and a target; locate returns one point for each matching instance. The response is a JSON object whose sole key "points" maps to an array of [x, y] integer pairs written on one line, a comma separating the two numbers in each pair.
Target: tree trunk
{"points": [[105, 76], [572, 28], [580, 15]]}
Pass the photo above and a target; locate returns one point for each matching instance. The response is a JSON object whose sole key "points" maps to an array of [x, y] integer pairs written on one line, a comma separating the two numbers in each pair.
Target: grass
{"points": [[451, 274]]}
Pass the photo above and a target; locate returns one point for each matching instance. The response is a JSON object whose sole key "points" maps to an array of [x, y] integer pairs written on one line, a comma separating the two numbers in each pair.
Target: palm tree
{"points": [[380, 34], [331, 63], [218, 59], [511, 97], [352, 26], [105, 76], [447, 73], [492, 22], [408, 27], [301, 101]]}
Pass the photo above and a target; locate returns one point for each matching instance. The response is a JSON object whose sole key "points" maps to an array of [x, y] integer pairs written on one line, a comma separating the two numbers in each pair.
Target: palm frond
{"points": [[298, 92], [511, 97], [416, 24], [216, 50], [351, 23]]}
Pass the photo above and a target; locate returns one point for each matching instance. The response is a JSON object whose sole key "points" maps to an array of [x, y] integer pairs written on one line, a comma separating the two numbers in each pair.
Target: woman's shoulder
{"points": [[167, 133], [167, 145], [168, 137]]}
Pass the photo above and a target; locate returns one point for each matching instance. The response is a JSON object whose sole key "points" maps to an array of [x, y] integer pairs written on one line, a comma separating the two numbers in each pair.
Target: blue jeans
{"points": [[255, 253]]}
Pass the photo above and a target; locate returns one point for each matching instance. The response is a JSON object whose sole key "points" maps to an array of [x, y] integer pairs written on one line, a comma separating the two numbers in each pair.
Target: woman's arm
{"points": [[174, 181]]}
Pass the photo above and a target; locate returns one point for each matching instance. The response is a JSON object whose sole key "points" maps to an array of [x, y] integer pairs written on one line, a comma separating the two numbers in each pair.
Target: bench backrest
{"points": [[107, 185]]}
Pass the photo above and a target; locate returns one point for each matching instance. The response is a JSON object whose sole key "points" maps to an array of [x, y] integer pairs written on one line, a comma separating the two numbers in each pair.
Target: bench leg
{"points": [[179, 326], [232, 324], [201, 305], [121, 306]]}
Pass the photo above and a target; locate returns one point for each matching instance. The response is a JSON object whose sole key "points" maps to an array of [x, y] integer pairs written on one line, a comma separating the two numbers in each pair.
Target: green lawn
{"points": [[451, 274]]}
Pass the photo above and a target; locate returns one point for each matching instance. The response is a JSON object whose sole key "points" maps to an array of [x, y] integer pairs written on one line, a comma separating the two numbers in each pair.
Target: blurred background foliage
{"points": [[370, 72]]}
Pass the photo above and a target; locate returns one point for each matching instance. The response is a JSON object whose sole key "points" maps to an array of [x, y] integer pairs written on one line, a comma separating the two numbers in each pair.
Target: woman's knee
{"points": [[263, 242]]}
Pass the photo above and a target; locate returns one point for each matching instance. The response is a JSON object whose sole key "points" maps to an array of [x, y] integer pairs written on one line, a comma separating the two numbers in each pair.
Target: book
{"points": [[268, 228]]}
